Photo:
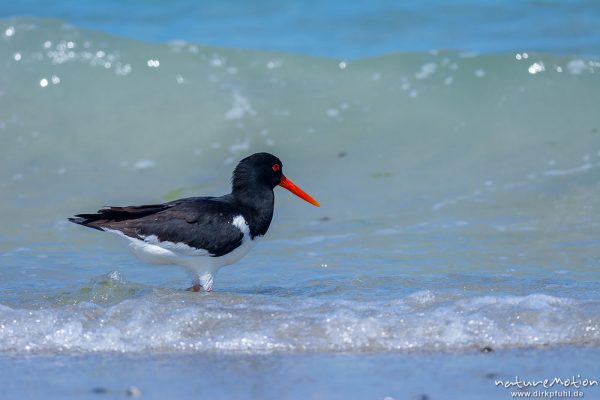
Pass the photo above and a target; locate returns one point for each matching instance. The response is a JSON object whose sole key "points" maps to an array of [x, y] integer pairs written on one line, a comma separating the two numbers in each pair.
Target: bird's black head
{"points": [[260, 172], [259, 169]]}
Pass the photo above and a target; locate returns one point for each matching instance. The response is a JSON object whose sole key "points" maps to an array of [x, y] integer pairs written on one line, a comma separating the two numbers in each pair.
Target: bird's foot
{"points": [[204, 281], [195, 288]]}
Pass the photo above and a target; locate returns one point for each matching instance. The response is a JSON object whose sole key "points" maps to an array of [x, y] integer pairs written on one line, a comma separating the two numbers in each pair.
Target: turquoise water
{"points": [[338, 28], [459, 198]]}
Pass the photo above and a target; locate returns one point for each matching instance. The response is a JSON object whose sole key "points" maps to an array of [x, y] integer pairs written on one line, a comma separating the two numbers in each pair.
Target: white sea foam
{"points": [[240, 107], [144, 164], [577, 66], [423, 320], [569, 171], [426, 70]]}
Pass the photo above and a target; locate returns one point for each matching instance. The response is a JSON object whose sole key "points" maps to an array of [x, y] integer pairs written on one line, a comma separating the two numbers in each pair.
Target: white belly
{"points": [[197, 261]]}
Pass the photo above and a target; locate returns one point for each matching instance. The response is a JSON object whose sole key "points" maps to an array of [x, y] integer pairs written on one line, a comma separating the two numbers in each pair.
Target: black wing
{"points": [[200, 222]]}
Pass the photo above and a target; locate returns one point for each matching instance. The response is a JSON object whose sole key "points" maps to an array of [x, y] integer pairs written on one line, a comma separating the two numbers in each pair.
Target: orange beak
{"points": [[289, 185]]}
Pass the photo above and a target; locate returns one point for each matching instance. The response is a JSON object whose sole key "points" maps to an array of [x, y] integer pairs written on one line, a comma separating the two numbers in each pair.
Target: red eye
{"points": [[275, 167]]}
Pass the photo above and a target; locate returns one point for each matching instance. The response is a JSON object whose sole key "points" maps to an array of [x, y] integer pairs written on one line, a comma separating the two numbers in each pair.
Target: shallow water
{"points": [[414, 375], [459, 199], [455, 188]]}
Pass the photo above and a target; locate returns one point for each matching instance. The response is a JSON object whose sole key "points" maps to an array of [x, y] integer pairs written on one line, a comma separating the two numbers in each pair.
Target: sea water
{"points": [[338, 28], [459, 191]]}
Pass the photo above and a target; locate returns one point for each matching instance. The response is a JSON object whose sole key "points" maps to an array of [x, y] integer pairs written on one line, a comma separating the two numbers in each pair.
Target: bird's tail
{"points": [[87, 220], [105, 217]]}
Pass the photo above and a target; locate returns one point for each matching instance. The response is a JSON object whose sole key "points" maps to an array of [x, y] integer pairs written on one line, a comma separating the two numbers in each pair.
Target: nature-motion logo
{"points": [[566, 385]]}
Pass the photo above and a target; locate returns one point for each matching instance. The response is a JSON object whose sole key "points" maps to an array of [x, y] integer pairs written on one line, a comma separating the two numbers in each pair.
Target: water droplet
{"points": [[536, 68]]}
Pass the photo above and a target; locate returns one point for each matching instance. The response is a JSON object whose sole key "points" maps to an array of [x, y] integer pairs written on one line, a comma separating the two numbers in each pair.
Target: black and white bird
{"points": [[202, 234]]}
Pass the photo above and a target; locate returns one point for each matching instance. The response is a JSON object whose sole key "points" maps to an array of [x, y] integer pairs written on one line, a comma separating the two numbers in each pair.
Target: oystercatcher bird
{"points": [[202, 234]]}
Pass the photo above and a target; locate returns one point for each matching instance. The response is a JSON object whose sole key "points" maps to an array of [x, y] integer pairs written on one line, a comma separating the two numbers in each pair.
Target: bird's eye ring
{"points": [[275, 167]]}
